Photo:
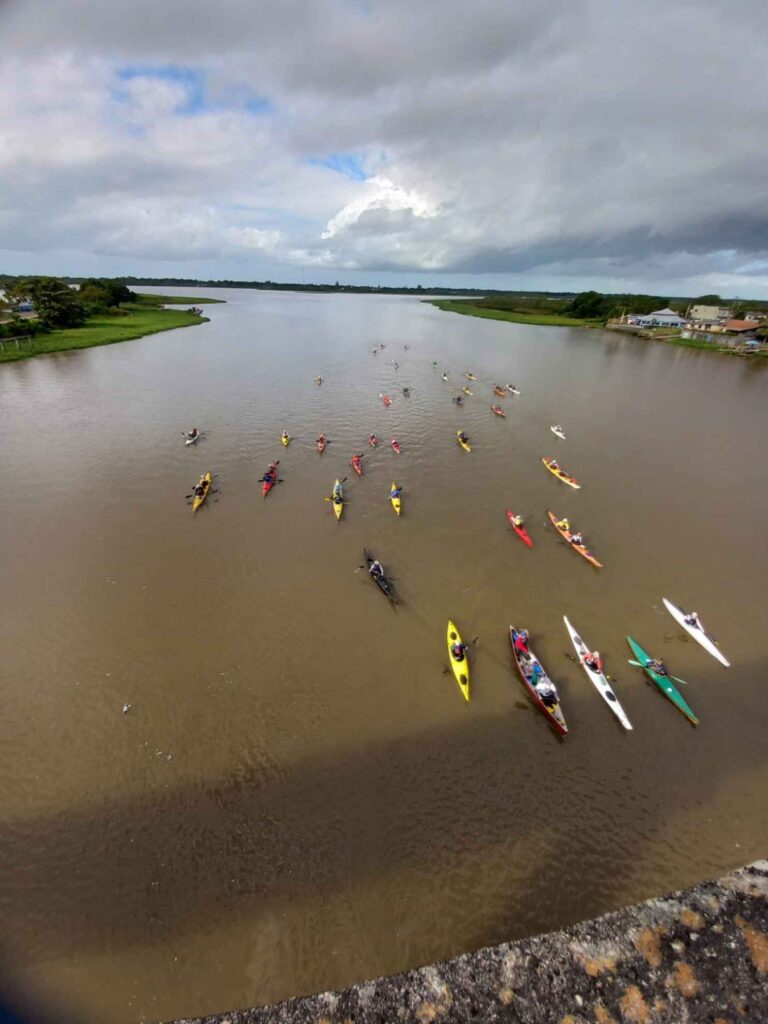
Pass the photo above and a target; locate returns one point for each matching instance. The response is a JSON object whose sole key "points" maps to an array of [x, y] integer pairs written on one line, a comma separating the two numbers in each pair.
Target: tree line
{"points": [[57, 304]]}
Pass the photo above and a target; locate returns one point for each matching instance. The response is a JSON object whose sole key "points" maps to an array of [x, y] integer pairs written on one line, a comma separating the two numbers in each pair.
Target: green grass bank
{"points": [[515, 317], [131, 320]]}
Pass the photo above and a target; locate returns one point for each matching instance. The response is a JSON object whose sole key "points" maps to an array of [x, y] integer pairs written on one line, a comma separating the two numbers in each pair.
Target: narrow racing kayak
{"points": [[464, 444], [567, 534], [498, 410], [357, 464], [460, 666], [555, 470], [380, 579], [395, 445], [521, 531], [204, 482], [597, 676], [663, 682], [696, 631], [285, 439], [394, 497], [386, 400], [338, 500], [538, 684], [558, 432], [466, 390]]}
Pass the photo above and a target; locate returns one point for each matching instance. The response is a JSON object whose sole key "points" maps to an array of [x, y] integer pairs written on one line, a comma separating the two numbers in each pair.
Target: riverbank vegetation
{"points": [[97, 313], [515, 316]]}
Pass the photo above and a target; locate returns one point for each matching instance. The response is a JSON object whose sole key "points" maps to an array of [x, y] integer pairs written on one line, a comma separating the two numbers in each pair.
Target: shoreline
{"points": [[136, 320]]}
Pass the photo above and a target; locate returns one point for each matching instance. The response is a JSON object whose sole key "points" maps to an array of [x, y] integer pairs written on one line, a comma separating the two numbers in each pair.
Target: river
{"points": [[298, 797]]}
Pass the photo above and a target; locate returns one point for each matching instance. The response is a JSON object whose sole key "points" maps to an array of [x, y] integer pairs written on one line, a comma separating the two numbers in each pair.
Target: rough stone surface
{"points": [[694, 957]]}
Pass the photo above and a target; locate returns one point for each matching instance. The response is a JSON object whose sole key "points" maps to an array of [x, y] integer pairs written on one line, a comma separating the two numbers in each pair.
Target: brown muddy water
{"points": [[298, 797]]}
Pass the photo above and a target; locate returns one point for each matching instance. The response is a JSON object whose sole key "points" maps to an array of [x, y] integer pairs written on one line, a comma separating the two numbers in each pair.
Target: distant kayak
{"points": [[338, 500], [460, 666], [464, 444], [204, 483], [499, 411], [466, 390], [501, 392], [555, 470], [567, 534], [696, 630], [394, 497], [357, 464], [322, 444], [521, 531], [395, 445], [386, 400], [373, 440], [663, 682], [191, 438], [558, 431], [380, 579], [596, 676], [269, 481], [540, 687], [285, 439], [512, 389], [470, 376], [444, 376]]}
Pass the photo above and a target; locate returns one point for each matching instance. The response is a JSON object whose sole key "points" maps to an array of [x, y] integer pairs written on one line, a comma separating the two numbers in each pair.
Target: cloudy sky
{"points": [[579, 143]]}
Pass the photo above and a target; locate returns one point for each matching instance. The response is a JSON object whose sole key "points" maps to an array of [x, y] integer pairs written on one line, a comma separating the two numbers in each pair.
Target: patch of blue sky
{"points": [[348, 164], [197, 98]]}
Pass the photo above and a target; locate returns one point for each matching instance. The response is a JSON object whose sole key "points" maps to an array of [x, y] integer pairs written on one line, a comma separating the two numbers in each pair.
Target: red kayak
{"points": [[357, 464], [373, 440], [386, 400], [521, 531], [321, 444], [498, 410], [270, 479], [396, 445]]}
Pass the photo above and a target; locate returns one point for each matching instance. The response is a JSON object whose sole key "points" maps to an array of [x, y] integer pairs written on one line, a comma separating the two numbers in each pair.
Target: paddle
{"points": [[676, 678]]}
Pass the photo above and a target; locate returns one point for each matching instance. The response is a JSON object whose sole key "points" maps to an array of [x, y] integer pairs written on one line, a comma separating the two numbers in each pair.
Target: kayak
{"points": [[321, 445], [582, 549], [267, 485], [357, 464], [384, 585], [191, 440], [597, 676], [470, 376], [286, 440], [521, 531], [386, 400], [396, 501], [464, 444], [526, 666], [697, 632], [198, 500], [338, 506], [460, 668], [558, 432], [501, 392], [373, 441], [664, 683], [498, 410], [466, 390], [561, 474], [444, 376], [512, 389], [396, 445]]}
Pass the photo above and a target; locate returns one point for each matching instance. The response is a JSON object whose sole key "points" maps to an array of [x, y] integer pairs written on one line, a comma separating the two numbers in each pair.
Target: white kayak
{"points": [[558, 431], [598, 678], [697, 632], [191, 440], [512, 390]]}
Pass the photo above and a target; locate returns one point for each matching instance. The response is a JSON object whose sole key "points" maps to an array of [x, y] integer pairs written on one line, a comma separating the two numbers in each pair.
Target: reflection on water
{"points": [[298, 796]]}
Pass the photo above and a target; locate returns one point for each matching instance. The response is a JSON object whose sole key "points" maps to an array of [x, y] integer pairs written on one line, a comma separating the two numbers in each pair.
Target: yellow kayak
{"points": [[204, 482], [555, 470], [338, 505], [396, 501], [460, 667], [464, 444], [467, 391], [285, 439]]}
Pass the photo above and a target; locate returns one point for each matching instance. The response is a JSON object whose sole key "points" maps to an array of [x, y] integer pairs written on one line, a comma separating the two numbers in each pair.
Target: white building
{"points": [[658, 318], [710, 314]]}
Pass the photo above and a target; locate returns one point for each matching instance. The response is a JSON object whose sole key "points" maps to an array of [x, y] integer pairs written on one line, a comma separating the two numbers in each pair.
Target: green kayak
{"points": [[664, 683]]}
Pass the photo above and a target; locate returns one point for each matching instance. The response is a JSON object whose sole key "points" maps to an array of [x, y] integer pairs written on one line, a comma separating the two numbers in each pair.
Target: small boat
{"points": [[318, 380], [357, 464], [466, 390], [582, 549], [531, 672], [386, 400], [205, 482], [512, 389], [338, 500], [555, 470], [464, 444], [270, 478], [460, 666], [501, 392], [558, 432], [470, 376], [373, 440], [697, 632], [394, 497], [663, 682], [322, 444], [285, 439], [597, 676], [191, 438], [499, 411], [444, 375], [395, 445], [521, 531], [384, 584]]}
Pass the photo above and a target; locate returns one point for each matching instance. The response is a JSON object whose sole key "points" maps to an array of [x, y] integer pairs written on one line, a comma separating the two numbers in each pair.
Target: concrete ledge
{"points": [[699, 956]]}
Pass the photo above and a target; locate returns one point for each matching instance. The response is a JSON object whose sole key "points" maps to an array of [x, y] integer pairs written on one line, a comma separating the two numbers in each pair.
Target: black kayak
{"points": [[384, 585]]}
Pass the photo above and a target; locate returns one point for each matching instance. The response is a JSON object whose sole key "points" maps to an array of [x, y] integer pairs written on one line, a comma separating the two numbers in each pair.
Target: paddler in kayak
{"points": [[200, 489], [518, 521], [521, 643], [193, 434], [463, 437], [270, 473], [458, 400], [657, 665], [318, 380], [396, 492], [407, 392], [459, 650], [376, 569], [544, 688], [592, 660], [563, 524], [321, 440], [373, 440], [445, 376], [554, 464], [285, 437], [577, 539], [692, 619]]}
